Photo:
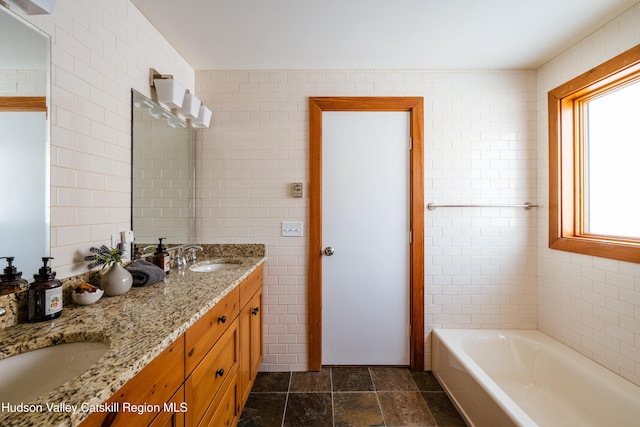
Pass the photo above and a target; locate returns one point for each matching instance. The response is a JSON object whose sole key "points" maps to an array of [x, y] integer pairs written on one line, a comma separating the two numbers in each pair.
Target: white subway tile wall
{"points": [[99, 52], [480, 147], [485, 142], [591, 304], [23, 82]]}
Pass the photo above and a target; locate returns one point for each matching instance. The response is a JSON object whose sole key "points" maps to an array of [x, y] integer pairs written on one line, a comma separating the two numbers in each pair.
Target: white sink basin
{"points": [[211, 267], [26, 376]]}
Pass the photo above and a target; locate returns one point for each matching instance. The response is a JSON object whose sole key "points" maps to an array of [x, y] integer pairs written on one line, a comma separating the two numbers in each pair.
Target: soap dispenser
{"points": [[11, 281], [161, 257], [44, 295]]}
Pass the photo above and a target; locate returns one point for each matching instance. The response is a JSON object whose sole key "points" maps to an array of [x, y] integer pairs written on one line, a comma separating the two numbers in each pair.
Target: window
{"points": [[594, 157]]}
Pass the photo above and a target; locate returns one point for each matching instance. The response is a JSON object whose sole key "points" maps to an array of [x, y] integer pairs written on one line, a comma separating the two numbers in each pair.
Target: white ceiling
{"points": [[383, 34]]}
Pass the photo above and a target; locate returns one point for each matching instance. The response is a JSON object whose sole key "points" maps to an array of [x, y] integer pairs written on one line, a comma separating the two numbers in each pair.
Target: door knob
{"points": [[328, 251]]}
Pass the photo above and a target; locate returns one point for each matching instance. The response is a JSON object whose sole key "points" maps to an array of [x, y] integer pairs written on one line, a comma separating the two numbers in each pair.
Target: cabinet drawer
{"points": [[202, 335], [250, 285], [215, 371], [223, 413], [153, 385]]}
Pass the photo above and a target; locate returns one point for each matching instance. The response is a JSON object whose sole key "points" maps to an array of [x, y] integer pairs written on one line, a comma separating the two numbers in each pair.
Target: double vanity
{"points": [[181, 352]]}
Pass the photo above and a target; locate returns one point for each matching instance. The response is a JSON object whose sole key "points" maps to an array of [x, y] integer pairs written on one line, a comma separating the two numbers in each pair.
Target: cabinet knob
{"points": [[255, 311], [222, 319], [219, 372]]}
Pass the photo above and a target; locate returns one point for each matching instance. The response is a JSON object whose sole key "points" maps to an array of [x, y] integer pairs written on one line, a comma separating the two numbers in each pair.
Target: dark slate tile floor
{"points": [[349, 397]]}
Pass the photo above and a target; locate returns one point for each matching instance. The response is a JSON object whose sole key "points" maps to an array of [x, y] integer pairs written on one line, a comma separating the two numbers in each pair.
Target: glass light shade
{"points": [[204, 117], [170, 92], [190, 106]]}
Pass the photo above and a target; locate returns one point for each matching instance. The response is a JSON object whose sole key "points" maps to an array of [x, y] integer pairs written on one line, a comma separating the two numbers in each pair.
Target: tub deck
{"points": [[526, 378]]}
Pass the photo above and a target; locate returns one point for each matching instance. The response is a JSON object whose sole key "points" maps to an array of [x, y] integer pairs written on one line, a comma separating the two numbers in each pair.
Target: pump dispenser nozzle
{"points": [[45, 274], [10, 271], [161, 247]]}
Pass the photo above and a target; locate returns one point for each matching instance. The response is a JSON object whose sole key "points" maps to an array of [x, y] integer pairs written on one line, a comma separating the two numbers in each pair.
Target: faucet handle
{"points": [[179, 261], [192, 249]]}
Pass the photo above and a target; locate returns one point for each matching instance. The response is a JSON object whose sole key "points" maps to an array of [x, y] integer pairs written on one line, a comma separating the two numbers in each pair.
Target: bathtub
{"points": [[526, 378]]}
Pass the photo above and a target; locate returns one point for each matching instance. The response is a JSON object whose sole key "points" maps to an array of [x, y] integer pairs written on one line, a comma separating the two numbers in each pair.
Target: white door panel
{"points": [[365, 218]]}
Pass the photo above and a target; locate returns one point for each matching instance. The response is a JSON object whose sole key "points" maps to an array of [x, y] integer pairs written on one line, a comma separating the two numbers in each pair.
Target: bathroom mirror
{"points": [[24, 143], [163, 174]]}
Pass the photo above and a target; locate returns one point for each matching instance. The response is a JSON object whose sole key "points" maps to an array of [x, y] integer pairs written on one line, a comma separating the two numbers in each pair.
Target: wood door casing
{"points": [[413, 105]]}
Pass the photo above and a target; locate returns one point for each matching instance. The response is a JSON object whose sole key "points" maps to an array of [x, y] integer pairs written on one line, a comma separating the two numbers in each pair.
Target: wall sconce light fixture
{"points": [[169, 92]]}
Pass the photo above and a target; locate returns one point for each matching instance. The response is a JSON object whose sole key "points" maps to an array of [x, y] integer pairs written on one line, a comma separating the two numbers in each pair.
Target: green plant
{"points": [[105, 256]]}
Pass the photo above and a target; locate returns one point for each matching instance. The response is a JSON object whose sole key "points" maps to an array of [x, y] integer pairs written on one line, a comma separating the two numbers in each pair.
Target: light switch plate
{"points": [[292, 228], [126, 237]]}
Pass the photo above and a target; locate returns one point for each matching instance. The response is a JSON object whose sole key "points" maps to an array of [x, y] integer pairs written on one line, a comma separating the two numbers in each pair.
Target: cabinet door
{"points": [[244, 377], [256, 334], [250, 344]]}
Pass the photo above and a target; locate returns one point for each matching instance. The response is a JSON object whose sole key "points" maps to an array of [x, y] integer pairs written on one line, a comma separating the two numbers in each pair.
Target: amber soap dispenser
{"points": [[161, 258], [11, 281], [44, 295]]}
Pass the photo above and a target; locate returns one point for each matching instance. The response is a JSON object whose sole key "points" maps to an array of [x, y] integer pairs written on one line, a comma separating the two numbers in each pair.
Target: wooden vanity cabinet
{"points": [[250, 333], [204, 378]]}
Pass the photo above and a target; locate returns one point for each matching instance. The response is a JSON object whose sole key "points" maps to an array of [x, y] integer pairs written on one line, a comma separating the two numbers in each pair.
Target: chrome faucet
{"points": [[189, 253], [144, 250]]}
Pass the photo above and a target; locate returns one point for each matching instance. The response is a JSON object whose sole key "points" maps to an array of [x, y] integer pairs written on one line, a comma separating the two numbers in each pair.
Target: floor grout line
{"points": [[286, 400]]}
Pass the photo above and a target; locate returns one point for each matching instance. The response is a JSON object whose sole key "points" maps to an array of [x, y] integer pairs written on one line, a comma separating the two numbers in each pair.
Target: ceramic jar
{"points": [[116, 281]]}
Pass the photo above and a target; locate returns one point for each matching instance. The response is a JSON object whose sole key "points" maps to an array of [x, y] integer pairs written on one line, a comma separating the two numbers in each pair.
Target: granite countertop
{"points": [[138, 326]]}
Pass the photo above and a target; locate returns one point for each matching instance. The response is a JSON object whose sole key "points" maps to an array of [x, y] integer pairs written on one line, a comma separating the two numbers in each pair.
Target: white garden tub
{"points": [[526, 378]]}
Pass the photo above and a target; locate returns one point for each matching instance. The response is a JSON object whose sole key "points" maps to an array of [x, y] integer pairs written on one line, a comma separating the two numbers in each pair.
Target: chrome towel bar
{"points": [[527, 205]]}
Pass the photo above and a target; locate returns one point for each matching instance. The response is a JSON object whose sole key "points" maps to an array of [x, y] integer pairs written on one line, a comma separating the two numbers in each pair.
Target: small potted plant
{"points": [[117, 280]]}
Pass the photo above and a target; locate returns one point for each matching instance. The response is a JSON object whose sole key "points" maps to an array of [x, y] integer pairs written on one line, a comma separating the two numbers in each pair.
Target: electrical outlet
{"points": [[292, 228]]}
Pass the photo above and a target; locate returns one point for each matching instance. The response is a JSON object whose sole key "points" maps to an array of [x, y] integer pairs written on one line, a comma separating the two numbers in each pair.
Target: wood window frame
{"points": [[566, 153], [415, 107]]}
